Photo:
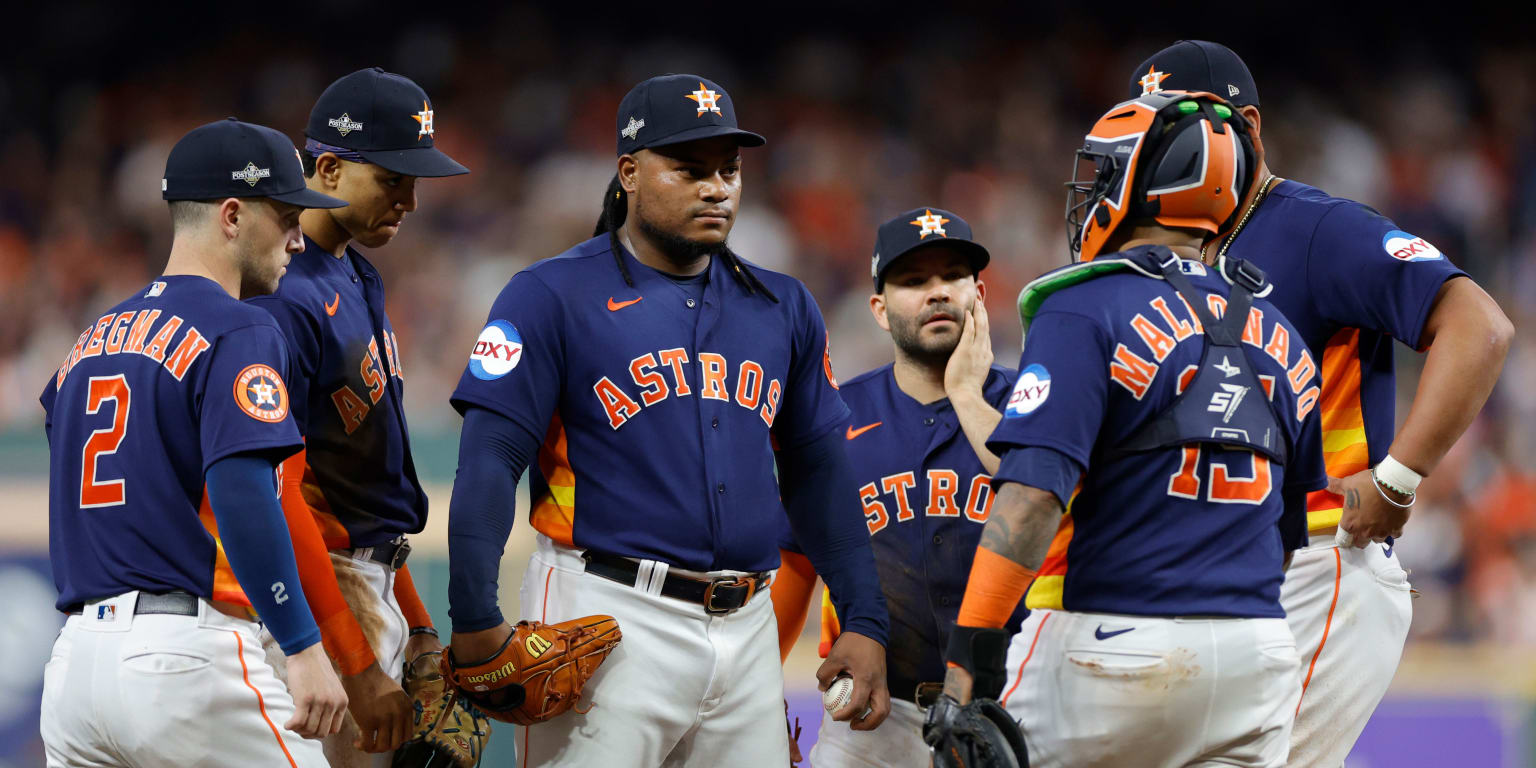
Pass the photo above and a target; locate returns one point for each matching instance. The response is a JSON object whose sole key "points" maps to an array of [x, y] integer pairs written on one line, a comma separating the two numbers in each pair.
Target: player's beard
{"points": [[678, 249], [907, 333], [259, 271]]}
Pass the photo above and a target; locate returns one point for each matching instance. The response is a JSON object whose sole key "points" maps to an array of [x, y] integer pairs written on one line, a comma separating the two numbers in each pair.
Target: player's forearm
{"points": [[977, 420], [411, 606], [493, 452], [1468, 337], [1023, 522], [816, 481], [256, 542], [339, 630]]}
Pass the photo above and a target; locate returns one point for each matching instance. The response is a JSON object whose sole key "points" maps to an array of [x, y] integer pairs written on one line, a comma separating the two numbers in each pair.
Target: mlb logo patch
{"points": [[106, 613]]}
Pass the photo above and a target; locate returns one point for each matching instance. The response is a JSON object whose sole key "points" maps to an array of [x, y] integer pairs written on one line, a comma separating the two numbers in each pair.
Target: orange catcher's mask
{"points": [[1184, 159]]}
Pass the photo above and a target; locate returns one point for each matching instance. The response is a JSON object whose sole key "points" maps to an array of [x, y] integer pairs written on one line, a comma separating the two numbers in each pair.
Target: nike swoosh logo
{"points": [[1100, 634], [614, 306], [330, 308], [852, 433]]}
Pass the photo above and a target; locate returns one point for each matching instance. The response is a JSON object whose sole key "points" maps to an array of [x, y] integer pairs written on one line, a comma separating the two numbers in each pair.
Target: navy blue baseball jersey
{"points": [[659, 409], [347, 387], [1351, 281], [152, 394], [1185, 530], [925, 497]]}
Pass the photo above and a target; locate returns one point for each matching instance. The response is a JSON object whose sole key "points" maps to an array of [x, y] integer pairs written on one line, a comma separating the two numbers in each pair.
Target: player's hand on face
{"points": [[380, 707], [319, 701], [1368, 517], [957, 684], [864, 661], [966, 372]]}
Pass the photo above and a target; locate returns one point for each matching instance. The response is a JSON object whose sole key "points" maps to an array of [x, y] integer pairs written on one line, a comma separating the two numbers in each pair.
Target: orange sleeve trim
{"points": [[340, 633], [793, 586], [993, 591], [410, 600]]}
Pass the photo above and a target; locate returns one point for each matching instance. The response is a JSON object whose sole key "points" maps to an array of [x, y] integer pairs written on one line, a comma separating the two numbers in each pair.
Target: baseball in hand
{"points": [[838, 694]]}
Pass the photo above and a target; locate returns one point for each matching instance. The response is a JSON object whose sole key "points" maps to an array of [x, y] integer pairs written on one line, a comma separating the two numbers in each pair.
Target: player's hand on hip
{"points": [[380, 707], [966, 372], [863, 660], [1367, 515], [319, 701]]}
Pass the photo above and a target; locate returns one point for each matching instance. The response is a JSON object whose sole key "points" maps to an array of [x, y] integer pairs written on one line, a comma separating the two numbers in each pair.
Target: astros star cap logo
{"points": [[1152, 81], [931, 224], [425, 118], [706, 99]]}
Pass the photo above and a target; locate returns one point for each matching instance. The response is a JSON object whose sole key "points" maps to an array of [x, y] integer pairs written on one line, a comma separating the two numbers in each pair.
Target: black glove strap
{"points": [[981, 651]]}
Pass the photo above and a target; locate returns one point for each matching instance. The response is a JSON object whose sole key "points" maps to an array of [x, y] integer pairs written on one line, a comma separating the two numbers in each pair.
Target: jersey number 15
{"points": [[1221, 487]]}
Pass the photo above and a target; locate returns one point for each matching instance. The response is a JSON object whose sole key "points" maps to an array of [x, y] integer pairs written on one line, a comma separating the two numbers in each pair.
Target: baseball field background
{"points": [[868, 111]]}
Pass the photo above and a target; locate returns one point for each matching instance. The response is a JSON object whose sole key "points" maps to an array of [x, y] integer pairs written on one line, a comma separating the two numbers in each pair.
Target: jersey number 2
{"points": [[94, 492], [1222, 488]]}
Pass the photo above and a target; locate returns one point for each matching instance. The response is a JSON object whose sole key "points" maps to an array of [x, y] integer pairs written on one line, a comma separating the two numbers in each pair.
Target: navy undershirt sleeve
{"points": [[493, 453], [812, 478], [242, 490], [1038, 467]]}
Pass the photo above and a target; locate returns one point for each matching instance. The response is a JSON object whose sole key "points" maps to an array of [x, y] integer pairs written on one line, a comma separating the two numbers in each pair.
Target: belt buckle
{"points": [[397, 561], [726, 581]]}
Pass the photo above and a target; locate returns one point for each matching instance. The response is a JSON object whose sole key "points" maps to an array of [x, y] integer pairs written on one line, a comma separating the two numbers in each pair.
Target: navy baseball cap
{"points": [[672, 109], [383, 118], [229, 158], [920, 228], [1197, 65]]}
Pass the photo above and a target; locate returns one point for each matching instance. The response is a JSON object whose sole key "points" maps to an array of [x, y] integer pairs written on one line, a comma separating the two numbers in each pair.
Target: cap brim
{"points": [[308, 198], [743, 138], [973, 250], [416, 161]]}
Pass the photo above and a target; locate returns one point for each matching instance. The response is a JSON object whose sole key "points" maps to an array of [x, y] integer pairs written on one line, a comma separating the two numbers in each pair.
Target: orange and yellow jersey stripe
{"points": [[554, 487], [1345, 449]]}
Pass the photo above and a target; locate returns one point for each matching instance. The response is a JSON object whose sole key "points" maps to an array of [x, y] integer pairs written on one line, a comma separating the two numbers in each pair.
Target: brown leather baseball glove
{"points": [[539, 672], [449, 733]]}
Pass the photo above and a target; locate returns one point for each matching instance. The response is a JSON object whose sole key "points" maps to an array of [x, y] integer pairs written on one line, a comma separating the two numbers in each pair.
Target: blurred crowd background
{"points": [[867, 113]]}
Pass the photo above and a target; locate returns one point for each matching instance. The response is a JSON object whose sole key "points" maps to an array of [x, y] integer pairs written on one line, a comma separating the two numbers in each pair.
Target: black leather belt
{"points": [[718, 596], [172, 603], [392, 553]]}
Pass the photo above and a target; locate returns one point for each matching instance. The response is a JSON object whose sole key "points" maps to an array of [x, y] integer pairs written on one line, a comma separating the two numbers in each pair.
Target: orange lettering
{"points": [[1181, 328], [371, 368], [654, 385], [771, 403], [713, 382], [898, 485], [978, 505], [1305, 403], [118, 330], [1159, 342], [1301, 374], [1217, 305], [192, 345], [1131, 372], [749, 384], [140, 330], [93, 347], [942, 484], [1279, 346], [155, 350], [677, 358], [1253, 331], [1251, 490], [1185, 483], [351, 407], [619, 406], [874, 512]]}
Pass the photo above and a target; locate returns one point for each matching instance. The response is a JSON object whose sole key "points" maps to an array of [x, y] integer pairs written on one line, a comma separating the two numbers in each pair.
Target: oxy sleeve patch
{"points": [[498, 350], [260, 392], [1405, 247], [1029, 392]]}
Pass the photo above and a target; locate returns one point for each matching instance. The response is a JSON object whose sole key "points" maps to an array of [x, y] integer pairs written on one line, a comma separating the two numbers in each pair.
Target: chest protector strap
{"points": [[1225, 403]]}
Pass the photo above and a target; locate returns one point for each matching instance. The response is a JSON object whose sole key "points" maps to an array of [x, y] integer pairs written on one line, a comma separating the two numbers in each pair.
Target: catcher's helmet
{"points": [[1183, 159]]}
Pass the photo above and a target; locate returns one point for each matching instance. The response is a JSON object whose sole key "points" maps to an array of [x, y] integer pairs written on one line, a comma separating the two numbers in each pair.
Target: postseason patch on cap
{"points": [[498, 350], [1029, 392], [1405, 247], [259, 391]]}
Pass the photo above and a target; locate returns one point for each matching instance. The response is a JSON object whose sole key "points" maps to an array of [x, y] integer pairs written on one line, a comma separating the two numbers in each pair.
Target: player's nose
{"points": [[714, 189]]}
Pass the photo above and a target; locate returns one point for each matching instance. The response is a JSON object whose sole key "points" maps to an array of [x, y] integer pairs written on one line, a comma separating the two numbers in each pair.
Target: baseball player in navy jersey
{"points": [[1162, 405], [165, 425], [917, 444], [353, 488], [1352, 281], [645, 376]]}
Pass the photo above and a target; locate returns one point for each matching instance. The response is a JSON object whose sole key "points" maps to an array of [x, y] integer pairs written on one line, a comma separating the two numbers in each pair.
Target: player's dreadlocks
{"points": [[616, 210]]}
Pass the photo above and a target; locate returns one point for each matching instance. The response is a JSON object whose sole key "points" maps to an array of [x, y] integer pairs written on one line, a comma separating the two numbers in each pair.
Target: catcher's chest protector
{"points": [[1225, 402]]}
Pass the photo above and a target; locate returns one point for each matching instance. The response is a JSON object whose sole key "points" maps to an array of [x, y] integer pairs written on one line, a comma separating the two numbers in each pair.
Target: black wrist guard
{"points": [[981, 652]]}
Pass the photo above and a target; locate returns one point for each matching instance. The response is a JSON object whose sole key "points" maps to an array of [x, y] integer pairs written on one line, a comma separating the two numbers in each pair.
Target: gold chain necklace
{"points": [[1263, 192]]}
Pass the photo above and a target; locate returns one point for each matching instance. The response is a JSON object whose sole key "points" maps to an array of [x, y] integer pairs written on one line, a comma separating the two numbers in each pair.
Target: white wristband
{"points": [[1391, 473]]}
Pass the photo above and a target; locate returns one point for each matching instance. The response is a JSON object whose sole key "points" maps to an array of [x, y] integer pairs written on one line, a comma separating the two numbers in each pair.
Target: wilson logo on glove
{"points": [[538, 673]]}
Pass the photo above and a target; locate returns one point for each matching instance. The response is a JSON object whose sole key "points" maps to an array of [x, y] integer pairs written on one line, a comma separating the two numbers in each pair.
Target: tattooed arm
{"points": [[1023, 521]]}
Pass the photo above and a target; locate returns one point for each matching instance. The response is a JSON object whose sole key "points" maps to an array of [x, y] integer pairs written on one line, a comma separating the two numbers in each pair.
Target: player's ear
{"points": [[877, 308], [1252, 114], [229, 212], [629, 170], [328, 170], [981, 290]]}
